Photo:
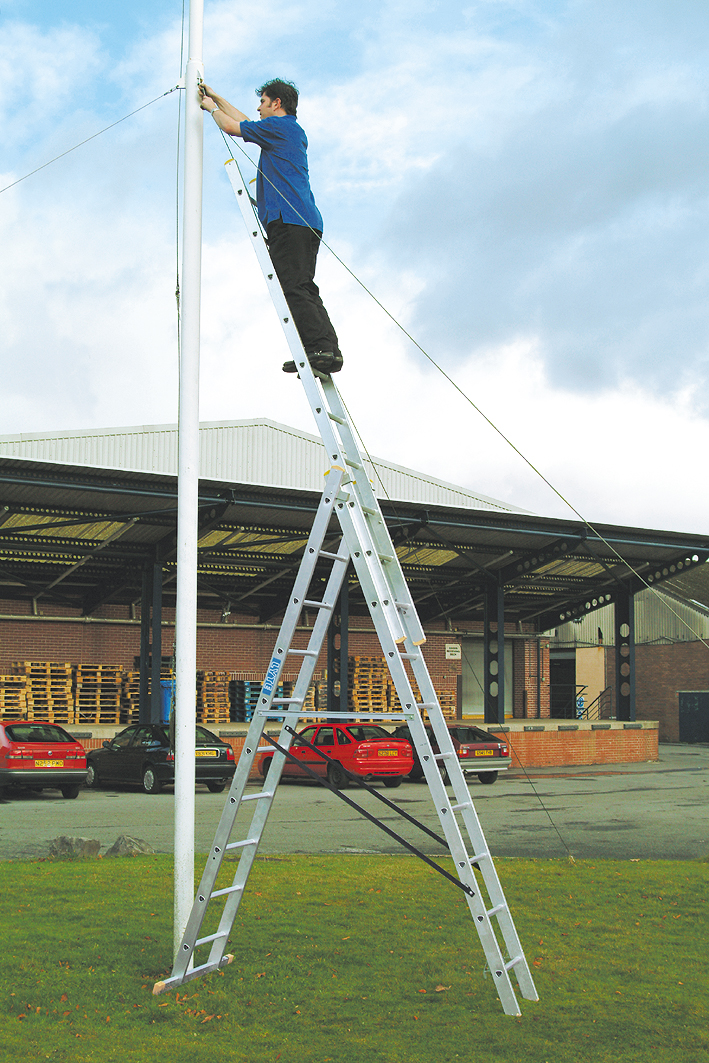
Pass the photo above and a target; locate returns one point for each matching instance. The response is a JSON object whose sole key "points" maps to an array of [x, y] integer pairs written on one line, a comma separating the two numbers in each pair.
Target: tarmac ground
{"points": [[643, 811]]}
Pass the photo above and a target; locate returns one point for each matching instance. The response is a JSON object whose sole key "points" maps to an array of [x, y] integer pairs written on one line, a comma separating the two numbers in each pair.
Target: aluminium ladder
{"points": [[349, 500]]}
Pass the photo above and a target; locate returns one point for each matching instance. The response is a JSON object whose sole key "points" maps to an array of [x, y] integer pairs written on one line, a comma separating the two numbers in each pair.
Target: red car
{"points": [[362, 748], [40, 755]]}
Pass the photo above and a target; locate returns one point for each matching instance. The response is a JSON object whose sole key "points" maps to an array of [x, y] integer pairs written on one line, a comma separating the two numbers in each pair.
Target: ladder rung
{"points": [[371, 512], [212, 937], [245, 842], [402, 605], [286, 701], [353, 464], [221, 893], [514, 962], [318, 605], [426, 705], [334, 417], [410, 656], [257, 797], [386, 557], [332, 557], [443, 756], [305, 653], [496, 909], [465, 804], [479, 857]]}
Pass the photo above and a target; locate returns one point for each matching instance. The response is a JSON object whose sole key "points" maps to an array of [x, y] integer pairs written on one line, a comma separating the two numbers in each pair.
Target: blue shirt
{"points": [[283, 164]]}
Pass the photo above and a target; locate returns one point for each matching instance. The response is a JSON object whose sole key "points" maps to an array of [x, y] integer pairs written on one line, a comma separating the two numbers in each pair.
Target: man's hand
{"points": [[206, 93], [227, 117]]}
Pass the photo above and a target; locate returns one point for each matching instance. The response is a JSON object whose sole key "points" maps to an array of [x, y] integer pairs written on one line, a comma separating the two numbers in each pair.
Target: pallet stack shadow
{"points": [[13, 697], [49, 697], [130, 694], [97, 693]]}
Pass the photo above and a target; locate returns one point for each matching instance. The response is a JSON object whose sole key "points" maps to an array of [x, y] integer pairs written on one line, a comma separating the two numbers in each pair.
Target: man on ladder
{"points": [[286, 209]]}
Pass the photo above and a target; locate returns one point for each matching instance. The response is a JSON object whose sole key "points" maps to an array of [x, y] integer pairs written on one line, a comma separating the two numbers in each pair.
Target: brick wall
{"points": [[662, 671], [586, 745], [235, 646]]}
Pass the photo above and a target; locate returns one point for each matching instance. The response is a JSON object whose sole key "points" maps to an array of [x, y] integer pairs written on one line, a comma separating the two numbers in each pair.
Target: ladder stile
{"points": [[367, 544]]}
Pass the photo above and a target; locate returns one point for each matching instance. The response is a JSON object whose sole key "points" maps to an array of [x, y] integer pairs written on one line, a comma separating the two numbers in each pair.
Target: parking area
{"points": [[635, 811]]}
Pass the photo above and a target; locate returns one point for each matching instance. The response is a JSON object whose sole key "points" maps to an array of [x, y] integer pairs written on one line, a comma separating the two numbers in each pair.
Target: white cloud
{"points": [[543, 176]]}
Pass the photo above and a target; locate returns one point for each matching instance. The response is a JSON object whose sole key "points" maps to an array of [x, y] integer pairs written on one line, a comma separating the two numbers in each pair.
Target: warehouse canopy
{"points": [[82, 538]]}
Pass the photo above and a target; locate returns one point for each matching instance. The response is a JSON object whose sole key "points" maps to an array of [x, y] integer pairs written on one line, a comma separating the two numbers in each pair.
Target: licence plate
{"points": [[388, 752], [206, 753], [484, 752], [49, 764]]}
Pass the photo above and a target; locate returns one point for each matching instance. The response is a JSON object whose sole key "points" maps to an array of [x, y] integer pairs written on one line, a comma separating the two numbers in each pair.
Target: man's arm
{"points": [[227, 117]]}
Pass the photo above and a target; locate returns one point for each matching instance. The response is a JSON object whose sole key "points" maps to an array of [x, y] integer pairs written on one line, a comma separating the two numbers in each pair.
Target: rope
{"points": [[479, 411], [92, 137]]}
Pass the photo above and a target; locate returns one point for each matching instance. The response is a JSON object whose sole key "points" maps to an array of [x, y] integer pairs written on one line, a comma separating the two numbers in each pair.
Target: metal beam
{"points": [[156, 644], [624, 622], [531, 561], [337, 653], [494, 653], [565, 609], [146, 599]]}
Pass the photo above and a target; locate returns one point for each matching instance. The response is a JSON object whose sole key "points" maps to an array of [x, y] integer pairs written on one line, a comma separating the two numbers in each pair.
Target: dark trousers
{"points": [[294, 252]]}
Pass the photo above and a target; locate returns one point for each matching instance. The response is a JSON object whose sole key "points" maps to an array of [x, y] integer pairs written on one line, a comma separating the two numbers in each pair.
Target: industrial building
{"points": [[524, 614]]}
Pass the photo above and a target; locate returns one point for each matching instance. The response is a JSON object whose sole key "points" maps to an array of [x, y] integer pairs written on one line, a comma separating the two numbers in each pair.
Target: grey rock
{"points": [[67, 846], [124, 845]]}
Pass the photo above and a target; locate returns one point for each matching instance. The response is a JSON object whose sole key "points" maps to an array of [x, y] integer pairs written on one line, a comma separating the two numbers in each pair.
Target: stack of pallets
{"points": [[213, 697], [97, 693], [368, 682], [49, 690], [13, 697], [447, 690], [130, 697]]}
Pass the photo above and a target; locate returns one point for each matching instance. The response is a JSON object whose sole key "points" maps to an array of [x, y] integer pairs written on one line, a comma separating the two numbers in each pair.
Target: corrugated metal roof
{"points": [[83, 536], [659, 617], [256, 451]]}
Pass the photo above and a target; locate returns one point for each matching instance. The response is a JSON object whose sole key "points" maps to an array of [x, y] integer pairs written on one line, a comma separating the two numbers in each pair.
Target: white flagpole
{"points": [[188, 484]]}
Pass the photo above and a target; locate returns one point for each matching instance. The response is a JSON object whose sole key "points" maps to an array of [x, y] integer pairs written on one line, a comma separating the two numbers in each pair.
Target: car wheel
{"points": [[216, 787], [391, 784], [265, 766], [416, 773], [444, 776], [92, 779], [336, 776], [70, 791], [151, 783], [487, 777]]}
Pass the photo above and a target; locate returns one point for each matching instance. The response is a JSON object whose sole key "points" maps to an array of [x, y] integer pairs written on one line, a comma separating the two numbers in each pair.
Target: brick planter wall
{"points": [[560, 743]]}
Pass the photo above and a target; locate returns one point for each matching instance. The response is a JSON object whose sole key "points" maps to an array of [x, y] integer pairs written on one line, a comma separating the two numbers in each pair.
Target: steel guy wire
{"points": [[88, 139], [479, 411]]}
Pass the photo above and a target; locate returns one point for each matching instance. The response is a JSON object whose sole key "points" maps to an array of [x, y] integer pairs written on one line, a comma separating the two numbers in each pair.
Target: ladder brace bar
{"points": [[377, 822]]}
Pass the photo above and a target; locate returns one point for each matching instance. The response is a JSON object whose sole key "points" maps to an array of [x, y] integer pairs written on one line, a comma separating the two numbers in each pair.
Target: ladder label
{"points": [[271, 676]]}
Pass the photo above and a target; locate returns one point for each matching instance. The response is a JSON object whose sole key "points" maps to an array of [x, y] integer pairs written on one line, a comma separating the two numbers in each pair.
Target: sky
{"points": [[523, 184]]}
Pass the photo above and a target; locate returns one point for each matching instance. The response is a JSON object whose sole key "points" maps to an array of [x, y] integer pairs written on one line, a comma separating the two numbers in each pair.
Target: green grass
{"points": [[356, 959]]}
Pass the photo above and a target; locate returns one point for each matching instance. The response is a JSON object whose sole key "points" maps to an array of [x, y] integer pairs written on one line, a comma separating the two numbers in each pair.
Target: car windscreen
{"points": [[37, 732]]}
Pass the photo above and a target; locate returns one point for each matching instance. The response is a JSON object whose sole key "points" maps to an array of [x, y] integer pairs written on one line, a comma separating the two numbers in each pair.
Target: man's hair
{"points": [[285, 91]]}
